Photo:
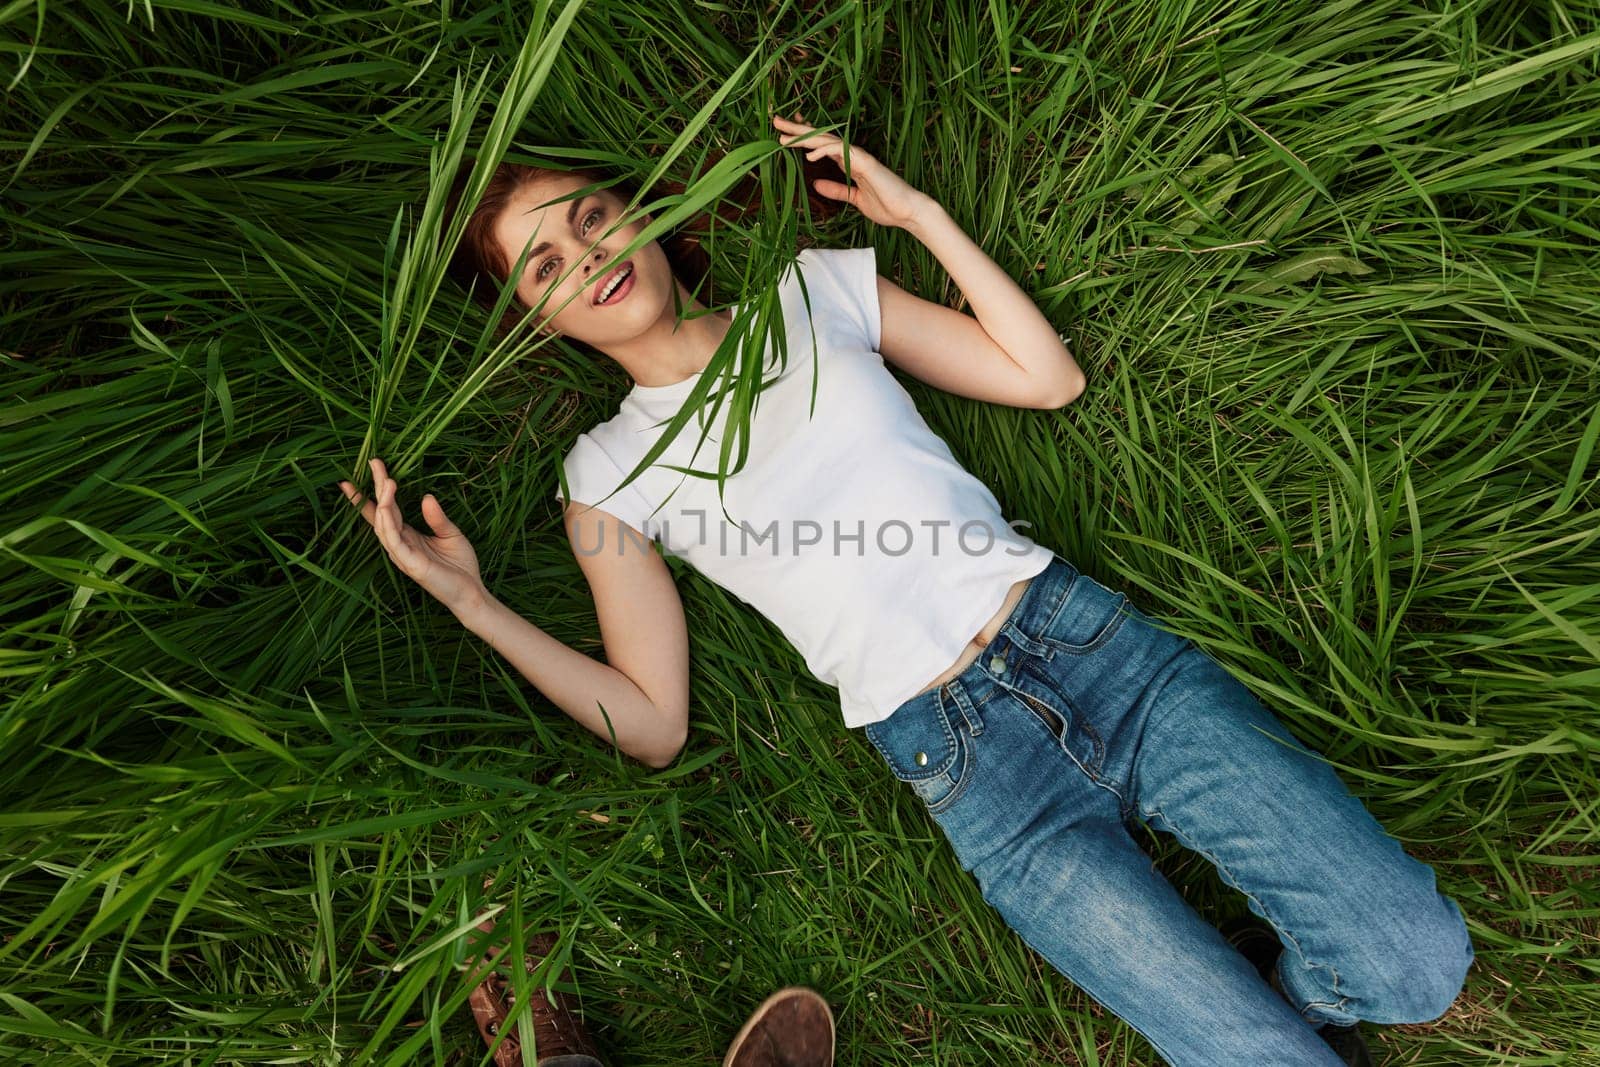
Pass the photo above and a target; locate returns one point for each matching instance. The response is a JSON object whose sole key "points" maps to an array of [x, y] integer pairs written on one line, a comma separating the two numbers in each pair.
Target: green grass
{"points": [[1331, 269]]}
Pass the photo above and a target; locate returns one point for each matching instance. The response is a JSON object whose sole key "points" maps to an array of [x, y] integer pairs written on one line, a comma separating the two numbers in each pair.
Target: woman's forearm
{"points": [[577, 684], [1005, 311]]}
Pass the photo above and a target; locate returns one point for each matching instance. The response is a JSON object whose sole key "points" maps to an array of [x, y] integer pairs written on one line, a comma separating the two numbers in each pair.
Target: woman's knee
{"points": [[1414, 969]]}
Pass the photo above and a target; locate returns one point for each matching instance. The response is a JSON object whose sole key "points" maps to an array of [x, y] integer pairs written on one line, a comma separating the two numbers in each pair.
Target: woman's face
{"points": [[568, 233]]}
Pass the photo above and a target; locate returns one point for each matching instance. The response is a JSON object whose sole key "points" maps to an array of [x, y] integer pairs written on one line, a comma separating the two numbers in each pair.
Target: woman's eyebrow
{"points": [[572, 212]]}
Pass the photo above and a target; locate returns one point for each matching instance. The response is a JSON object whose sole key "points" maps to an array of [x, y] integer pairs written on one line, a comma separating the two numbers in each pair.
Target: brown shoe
{"points": [[557, 1030], [791, 1028]]}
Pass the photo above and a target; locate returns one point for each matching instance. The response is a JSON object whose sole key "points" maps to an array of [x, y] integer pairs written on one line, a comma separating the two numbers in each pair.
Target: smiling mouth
{"points": [[615, 284]]}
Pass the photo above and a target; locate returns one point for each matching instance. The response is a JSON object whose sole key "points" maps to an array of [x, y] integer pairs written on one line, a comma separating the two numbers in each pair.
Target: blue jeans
{"points": [[1083, 714]]}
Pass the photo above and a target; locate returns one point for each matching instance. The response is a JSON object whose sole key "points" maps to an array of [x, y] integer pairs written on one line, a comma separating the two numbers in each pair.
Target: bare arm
{"points": [[1007, 318], [644, 690], [580, 685], [1010, 354]]}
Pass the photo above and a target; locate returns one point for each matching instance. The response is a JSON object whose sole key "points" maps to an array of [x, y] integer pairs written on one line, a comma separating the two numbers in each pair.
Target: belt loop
{"points": [[958, 695]]}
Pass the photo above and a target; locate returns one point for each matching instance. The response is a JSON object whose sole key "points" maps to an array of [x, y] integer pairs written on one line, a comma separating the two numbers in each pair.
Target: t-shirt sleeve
{"points": [[850, 277], [592, 475]]}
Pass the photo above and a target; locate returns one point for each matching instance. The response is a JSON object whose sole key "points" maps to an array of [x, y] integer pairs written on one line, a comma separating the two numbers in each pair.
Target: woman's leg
{"points": [[1188, 748], [1366, 933], [1053, 855], [1082, 893], [1081, 716]]}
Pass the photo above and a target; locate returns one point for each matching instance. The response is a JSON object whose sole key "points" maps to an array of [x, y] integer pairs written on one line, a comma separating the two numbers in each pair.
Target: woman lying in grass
{"points": [[1036, 712]]}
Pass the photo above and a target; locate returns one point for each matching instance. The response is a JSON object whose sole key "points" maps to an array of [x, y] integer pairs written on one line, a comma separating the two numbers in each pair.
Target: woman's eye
{"points": [[586, 218]]}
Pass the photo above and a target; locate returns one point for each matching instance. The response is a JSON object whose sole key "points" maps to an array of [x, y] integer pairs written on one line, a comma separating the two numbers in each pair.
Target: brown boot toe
{"points": [[791, 1028], [558, 1031]]}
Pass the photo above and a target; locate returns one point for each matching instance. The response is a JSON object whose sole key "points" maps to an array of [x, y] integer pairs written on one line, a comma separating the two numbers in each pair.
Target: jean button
{"points": [[922, 759], [998, 664]]}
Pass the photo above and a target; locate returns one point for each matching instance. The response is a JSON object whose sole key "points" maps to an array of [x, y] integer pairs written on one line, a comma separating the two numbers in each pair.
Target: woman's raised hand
{"points": [[877, 192], [444, 564]]}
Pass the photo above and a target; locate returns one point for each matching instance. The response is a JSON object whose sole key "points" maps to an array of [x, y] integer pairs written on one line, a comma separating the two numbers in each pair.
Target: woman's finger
{"points": [[397, 542], [859, 159], [386, 510], [380, 478], [379, 523], [403, 547], [803, 136], [433, 512], [403, 544], [357, 500], [801, 140], [837, 191]]}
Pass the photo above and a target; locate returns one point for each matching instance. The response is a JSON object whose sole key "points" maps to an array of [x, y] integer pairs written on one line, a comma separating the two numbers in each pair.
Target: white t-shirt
{"points": [[854, 530]]}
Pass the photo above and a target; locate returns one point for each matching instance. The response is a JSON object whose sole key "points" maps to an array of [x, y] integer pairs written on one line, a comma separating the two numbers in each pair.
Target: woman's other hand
{"points": [[877, 192], [444, 564]]}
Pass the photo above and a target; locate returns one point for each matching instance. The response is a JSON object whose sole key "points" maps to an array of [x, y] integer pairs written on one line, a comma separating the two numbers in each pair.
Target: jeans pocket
{"points": [[1055, 710], [928, 752], [1086, 615]]}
